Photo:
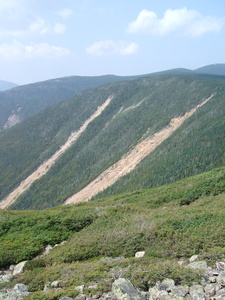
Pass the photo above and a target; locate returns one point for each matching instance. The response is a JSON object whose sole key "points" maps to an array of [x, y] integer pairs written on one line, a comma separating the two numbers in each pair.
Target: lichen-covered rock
{"points": [[139, 254], [108, 296], [17, 293], [80, 288], [198, 265], [193, 258], [153, 291], [56, 284], [18, 269], [6, 278], [211, 289], [180, 291], [220, 294], [196, 292], [124, 290], [167, 284], [81, 297], [221, 278]]}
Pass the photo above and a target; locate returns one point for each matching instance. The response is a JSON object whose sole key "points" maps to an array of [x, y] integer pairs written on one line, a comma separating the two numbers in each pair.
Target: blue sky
{"points": [[45, 39]]}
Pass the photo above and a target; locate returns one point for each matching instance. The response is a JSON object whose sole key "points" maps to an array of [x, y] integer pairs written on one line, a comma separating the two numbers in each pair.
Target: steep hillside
{"points": [[24, 101], [139, 110]]}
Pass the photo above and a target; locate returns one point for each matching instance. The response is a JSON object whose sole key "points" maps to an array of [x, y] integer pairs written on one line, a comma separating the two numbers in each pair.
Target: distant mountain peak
{"points": [[6, 85], [213, 69]]}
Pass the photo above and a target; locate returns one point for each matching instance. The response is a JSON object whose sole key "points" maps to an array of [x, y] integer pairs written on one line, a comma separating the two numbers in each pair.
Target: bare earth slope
{"points": [[125, 165], [129, 161], [43, 168]]}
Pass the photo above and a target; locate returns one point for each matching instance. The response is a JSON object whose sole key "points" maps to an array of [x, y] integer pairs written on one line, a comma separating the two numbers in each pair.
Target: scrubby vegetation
{"points": [[170, 222]]}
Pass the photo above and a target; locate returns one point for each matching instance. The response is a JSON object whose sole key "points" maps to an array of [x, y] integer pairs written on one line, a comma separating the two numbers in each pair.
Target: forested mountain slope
{"points": [[24, 101], [138, 109], [214, 69], [19, 103]]}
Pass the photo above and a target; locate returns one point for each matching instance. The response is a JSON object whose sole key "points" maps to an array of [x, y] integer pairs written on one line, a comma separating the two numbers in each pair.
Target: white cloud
{"points": [[191, 22], [65, 13], [199, 27], [38, 26], [59, 28], [18, 51], [109, 47]]}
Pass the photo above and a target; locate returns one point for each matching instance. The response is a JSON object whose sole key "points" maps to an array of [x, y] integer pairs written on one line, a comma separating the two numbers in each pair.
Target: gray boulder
{"points": [[6, 278], [221, 278], [18, 269], [220, 294], [198, 265], [180, 291], [81, 297], [124, 290], [196, 292], [17, 293], [166, 284], [211, 289]]}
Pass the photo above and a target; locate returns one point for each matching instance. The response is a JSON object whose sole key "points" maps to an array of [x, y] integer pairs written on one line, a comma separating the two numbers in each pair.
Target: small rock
{"points": [[93, 286], [168, 284], [81, 297], [139, 254], [20, 287], [162, 295], [212, 279], [48, 248], [11, 268], [210, 289], [56, 284], [80, 288], [221, 278], [66, 298], [220, 294], [153, 292], [96, 296], [6, 278], [108, 296], [47, 287], [63, 243], [220, 266], [193, 258], [19, 268]]}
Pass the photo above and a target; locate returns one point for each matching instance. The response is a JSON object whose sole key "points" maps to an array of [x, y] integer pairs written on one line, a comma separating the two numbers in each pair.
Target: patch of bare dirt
{"points": [[43, 168], [129, 161]]}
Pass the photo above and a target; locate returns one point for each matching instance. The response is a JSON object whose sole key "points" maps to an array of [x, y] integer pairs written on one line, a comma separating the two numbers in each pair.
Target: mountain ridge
{"points": [[26, 100], [6, 85], [139, 109]]}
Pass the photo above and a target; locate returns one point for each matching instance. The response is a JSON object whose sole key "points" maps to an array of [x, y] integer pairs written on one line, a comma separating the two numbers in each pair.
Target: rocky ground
{"points": [[212, 286]]}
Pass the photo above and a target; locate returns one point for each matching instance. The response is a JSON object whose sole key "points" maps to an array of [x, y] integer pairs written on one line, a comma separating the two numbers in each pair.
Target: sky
{"points": [[46, 39]]}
